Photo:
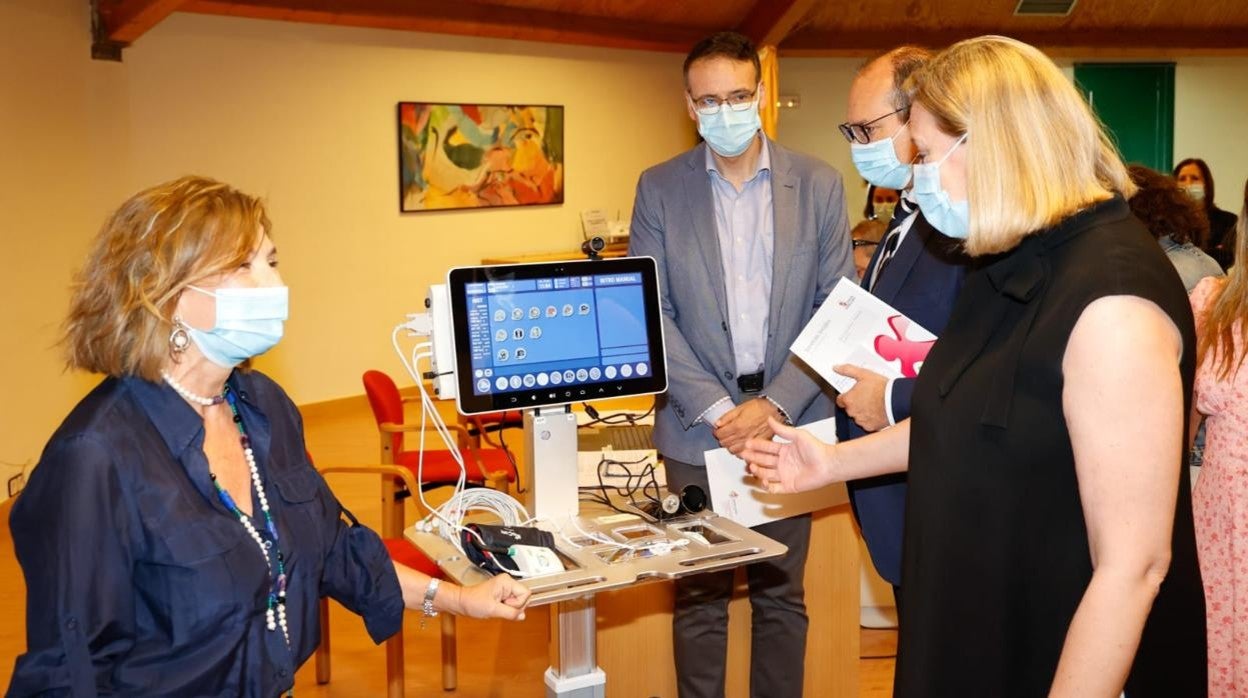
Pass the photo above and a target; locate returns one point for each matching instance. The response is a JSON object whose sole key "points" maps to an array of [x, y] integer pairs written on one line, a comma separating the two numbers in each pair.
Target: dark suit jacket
{"points": [[922, 281], [1221, 244], [674, 222]]}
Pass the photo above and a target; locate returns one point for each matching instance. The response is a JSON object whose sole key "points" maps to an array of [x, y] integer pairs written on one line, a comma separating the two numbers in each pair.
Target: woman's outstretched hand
{"points": [[801, 465]]}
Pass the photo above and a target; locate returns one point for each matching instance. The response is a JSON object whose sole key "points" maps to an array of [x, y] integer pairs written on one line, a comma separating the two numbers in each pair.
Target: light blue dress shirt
{"points": [[745, 226]]}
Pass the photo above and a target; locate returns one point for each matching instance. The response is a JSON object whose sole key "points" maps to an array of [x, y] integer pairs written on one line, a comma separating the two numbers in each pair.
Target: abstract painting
{"points": [[479, 155]]}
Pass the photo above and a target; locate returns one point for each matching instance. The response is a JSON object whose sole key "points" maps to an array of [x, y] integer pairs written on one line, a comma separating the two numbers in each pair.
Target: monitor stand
{"points": [[550, 470], [550, 463]]}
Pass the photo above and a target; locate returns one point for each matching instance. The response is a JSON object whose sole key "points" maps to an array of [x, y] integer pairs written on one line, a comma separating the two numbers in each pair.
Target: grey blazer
{"points": [[674, 222]]}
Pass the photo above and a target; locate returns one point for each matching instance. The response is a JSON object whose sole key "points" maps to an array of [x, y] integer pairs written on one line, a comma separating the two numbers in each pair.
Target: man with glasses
{"points": [[749, 237], [915, 269]]}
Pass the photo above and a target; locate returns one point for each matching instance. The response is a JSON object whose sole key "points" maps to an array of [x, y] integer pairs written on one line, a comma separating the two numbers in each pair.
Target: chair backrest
{"points": [[387, 404]]}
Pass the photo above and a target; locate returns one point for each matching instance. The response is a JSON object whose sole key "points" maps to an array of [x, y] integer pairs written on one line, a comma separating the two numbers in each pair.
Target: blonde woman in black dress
{"points": [[1048, 544]]}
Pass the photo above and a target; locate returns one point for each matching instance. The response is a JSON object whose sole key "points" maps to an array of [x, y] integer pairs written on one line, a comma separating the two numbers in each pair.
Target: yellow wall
{"points": [[61, 135], [305, 116]]}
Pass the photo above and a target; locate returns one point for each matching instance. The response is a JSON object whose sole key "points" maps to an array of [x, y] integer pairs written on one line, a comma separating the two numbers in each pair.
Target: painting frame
{"points": [[456, 156]]}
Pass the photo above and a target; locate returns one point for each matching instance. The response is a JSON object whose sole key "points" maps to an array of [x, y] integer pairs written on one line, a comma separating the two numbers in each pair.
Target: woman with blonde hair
{"points": [[1220, 500], [1048, 539], [174, 537]]}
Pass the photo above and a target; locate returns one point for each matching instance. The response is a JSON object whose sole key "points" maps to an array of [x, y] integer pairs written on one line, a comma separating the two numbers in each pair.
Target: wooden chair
{"points": [[404, 553], [493, 467]]}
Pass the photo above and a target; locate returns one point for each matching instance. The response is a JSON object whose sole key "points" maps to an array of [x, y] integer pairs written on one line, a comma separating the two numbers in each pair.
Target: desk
{"points": [[593, 568], [635, 624]]}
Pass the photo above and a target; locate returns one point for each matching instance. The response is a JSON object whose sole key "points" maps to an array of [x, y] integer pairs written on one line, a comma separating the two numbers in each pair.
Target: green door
{"points": [[1136, 103]]}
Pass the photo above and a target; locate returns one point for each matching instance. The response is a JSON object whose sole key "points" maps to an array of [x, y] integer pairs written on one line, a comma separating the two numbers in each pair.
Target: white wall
{"points": [[305, 116], [823, 84], [1210, 119]]}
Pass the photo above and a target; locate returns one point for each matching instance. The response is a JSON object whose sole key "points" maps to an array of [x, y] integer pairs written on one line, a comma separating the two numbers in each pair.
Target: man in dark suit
{"points": [[749, 238], [915, 269]]}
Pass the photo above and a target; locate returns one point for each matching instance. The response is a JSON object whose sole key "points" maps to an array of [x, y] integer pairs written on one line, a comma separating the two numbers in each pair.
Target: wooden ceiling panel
{"points": [[801, 27], [708, 16], [999, 14], [462, 18], [123, 21], [1094, 26], [1171, 14]]}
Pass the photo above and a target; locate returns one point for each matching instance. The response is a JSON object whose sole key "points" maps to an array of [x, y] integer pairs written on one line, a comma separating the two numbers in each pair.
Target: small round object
{"points": [[693, 498], [671, 504]]}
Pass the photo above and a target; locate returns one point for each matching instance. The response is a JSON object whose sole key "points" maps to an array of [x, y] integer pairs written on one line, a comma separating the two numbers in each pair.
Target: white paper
{"points": [[854, 327], [737, 495]]}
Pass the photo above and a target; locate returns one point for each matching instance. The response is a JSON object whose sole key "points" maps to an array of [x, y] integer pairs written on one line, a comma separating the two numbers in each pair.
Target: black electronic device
{"points": [[533, 335], [593, 246], [690, 500], [488, 546]]}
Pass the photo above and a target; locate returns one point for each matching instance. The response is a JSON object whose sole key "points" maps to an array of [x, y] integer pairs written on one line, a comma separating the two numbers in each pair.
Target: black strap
{"points": [[752, 383]]}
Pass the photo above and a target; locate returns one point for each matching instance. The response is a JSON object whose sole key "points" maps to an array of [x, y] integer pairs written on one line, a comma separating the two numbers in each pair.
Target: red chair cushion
{"points": [[408, 555], [441, 467]]}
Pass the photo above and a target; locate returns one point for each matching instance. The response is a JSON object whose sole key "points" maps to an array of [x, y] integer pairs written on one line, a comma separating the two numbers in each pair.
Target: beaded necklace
{"points": [[275, 612]]}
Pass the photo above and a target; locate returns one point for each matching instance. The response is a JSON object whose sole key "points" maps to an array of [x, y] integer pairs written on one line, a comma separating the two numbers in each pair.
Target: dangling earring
{"points": [[179, 338]]}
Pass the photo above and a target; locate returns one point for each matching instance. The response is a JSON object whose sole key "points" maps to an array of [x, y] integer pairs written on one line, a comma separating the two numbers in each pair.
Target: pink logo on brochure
{"points": [[911, 353]]}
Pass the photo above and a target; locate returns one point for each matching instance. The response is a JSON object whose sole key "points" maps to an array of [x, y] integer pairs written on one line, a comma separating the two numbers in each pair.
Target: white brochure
{"points": [[737, 495], [854, 327]]}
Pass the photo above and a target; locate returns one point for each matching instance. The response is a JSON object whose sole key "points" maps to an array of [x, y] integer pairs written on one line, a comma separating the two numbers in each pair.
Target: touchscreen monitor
{"points": [[530, 335]]}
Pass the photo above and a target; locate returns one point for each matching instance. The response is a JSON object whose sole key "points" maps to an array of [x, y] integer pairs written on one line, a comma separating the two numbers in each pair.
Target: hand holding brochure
{"points": [[854, 327]]}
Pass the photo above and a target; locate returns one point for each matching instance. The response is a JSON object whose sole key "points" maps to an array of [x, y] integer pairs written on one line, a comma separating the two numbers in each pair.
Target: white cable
{"points": [[449, 518], [595, 536], [426, 407]]}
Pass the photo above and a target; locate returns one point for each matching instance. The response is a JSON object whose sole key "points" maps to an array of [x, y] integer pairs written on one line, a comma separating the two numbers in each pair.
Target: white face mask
{"points": [[249, 323], [1196, 191]]}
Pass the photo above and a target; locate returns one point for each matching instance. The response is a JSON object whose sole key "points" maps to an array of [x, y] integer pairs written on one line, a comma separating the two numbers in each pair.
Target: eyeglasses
{"points": [[865, 243], [710, 104], [861, 132]]}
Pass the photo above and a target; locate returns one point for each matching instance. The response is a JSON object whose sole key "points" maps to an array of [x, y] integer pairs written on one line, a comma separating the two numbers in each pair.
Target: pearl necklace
{"points": [[275, 613], [192, 397]]}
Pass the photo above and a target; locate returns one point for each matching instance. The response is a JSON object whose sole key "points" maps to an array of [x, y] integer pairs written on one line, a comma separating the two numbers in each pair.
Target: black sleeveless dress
{"points": [[996, 556]]}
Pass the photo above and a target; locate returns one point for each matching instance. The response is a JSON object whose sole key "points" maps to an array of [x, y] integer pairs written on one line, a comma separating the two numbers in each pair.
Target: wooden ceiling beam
{"points": [[770, 21], [124, 21], [1057, 42], [461, 18]]}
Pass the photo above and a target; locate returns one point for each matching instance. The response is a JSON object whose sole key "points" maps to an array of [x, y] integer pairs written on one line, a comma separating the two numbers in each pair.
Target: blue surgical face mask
{"points": [[952, 218], [249, 323], [730, 132], [877, 162]]}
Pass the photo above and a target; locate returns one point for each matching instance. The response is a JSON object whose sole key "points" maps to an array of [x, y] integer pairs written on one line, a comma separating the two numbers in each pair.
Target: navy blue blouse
{"points": [[139, 582]]}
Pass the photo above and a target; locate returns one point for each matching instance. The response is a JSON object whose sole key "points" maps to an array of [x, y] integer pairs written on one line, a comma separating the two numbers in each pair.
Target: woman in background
{"points": [[881, 201], [1194, 177], [1220, 500], [1176, 221]]}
